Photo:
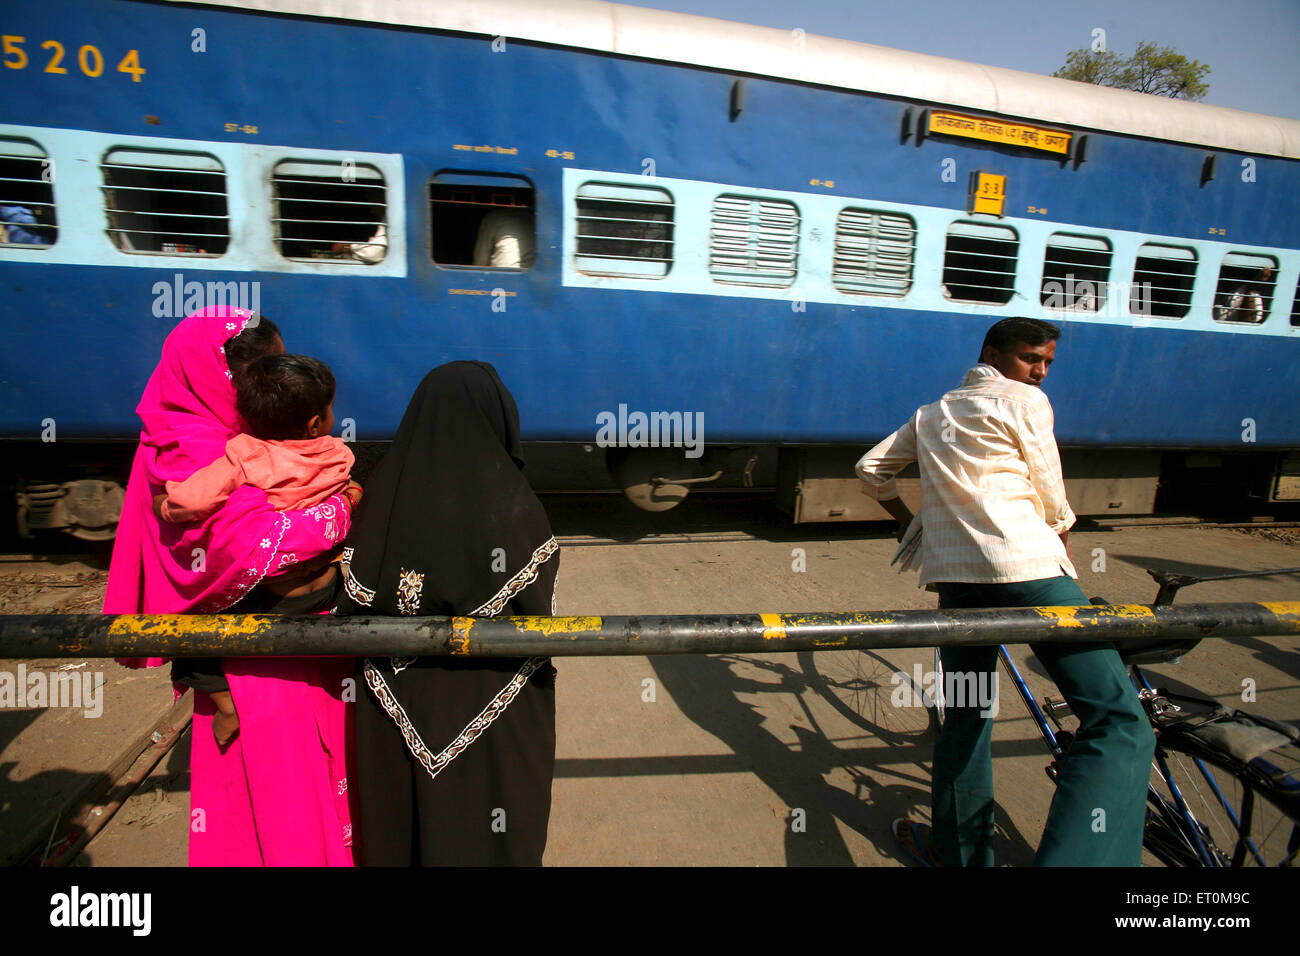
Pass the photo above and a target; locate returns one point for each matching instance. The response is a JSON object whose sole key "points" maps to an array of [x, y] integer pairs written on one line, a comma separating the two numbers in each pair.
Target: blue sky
{"points": [[1251, 46]]}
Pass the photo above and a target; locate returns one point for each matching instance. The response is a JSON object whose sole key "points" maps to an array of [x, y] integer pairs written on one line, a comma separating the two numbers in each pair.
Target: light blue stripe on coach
{"points": [[79, 201], [693, 203]]}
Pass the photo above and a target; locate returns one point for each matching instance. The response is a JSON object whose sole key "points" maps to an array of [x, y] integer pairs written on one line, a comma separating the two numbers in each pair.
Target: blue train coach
{"points": [[688, 240]]}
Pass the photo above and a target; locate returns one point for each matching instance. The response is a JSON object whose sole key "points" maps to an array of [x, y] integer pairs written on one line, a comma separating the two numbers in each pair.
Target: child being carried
{"points": [[287, 403]]}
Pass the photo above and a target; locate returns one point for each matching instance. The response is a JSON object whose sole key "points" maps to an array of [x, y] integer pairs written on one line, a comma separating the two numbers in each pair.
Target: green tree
{"points": [[1151, 69]]}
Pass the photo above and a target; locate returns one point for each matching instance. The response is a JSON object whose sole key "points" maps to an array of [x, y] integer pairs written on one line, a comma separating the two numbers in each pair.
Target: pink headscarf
{"points": [[188, 414]]}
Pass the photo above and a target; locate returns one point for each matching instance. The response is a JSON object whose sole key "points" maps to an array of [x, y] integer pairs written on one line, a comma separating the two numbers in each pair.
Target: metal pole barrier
{"points": [[100, 635]]}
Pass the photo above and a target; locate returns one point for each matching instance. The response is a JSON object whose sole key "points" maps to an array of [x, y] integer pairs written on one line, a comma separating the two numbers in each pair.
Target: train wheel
{"points": [[649, 476]]}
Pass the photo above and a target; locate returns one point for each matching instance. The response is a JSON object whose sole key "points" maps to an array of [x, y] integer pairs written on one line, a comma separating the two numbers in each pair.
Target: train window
{"points": [[754, 241], [166, 203], [1245, 292], [624, 230], [1162, 281], [27, 217], [1295, 306], [481, 220], [330, 210], [873, 252], [1076, 270], [979, 263]]}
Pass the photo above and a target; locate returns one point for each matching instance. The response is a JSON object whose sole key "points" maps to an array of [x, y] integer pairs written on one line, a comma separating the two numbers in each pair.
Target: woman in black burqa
{"points": [[454, 757]]}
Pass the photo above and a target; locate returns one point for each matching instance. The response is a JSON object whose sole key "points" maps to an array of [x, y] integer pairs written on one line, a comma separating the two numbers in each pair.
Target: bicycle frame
{"points": [[1189, 825], [1144, 687], [1180, 817]]}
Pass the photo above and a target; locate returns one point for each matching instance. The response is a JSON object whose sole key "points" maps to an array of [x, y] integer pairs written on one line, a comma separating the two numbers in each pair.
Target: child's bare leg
{"points": [[225, 722]]}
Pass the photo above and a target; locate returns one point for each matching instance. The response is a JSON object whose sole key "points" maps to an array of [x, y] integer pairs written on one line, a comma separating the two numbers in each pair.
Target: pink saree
{"points": [[278, 795]]}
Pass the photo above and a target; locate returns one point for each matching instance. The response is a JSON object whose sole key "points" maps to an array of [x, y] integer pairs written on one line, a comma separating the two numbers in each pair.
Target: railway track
{"points": [[834, 532], [758, 530]]}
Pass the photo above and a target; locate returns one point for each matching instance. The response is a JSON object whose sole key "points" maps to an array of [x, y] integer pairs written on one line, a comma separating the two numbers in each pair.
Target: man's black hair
{"points": [[277, 395], [1003, 335], [257, 339]]}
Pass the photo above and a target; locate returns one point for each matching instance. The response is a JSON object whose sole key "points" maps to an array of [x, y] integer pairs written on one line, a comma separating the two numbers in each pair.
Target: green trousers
{"points": [[1099, 807]]}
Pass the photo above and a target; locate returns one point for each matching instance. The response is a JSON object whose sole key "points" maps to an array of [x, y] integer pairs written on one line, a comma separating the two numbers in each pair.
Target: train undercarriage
{"points": [[77, 489]]}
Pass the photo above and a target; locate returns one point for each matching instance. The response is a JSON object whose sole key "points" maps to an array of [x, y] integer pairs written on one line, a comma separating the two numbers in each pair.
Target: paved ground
{"points": [[49, 755], [735, 760]]}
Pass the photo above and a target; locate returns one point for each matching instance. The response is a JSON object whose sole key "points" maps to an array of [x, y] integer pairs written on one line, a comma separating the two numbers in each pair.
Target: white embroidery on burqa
{"points": [[355, 589], [495, 708], [545, 551], [434, 764], [409, 585]]}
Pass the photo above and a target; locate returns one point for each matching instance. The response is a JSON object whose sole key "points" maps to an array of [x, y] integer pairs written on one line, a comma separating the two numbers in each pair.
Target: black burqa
{"points": [[454, 758]]}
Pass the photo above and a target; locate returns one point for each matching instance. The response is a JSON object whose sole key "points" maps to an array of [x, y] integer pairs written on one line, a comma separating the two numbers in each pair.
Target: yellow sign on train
{"points": [[1000, 131], [988, 193]]}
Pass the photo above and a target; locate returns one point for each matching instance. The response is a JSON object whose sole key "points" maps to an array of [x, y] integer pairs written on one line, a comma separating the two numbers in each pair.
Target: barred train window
{"points": [[1245, 292], [27, 218], [979, 263], [330, 210], [166, 203], [482, 220], [1076, 273], [1162, 281], [873, 252], [754, 241], [1295, 306], [624, 230]]}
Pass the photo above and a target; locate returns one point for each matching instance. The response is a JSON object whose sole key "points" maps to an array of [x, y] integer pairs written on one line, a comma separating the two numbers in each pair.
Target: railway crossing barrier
{"points": [[233, 635]]}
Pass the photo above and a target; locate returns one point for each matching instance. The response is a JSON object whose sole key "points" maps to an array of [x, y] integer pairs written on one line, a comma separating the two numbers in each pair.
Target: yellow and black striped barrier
{"points": [[231, 635]]}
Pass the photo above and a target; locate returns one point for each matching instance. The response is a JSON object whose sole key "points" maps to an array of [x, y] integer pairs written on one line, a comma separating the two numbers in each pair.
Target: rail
{"points": [[180, 635]]}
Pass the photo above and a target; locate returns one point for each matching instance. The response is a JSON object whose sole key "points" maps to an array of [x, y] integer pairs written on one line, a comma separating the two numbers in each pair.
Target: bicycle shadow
{"points": [[888, 780]]}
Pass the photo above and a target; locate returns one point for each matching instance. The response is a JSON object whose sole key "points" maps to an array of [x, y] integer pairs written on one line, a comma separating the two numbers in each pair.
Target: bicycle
{"points": [[1239, 815]]}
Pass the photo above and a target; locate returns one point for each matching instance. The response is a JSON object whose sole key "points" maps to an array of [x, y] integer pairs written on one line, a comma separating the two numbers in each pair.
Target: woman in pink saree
{"points": [[277, 794]]}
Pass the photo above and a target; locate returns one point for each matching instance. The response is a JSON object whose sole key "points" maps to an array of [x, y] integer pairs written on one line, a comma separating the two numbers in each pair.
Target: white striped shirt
{"points": [[992, 495]]}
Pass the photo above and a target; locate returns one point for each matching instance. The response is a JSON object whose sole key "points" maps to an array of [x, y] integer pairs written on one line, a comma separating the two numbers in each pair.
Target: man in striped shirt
{"points": [[993, 532]]}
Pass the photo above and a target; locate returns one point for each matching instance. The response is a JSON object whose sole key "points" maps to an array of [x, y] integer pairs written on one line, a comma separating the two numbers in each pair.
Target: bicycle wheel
{"points": [[1241, 796], [865, 688]]}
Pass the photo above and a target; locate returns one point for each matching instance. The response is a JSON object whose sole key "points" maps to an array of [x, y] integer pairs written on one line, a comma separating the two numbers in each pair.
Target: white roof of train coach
{"points": [[742, 48]]}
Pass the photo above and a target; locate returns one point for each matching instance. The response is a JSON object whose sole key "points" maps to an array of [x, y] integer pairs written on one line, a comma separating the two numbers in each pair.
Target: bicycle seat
{"points": [[1153, 652], [1149, 652]]}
